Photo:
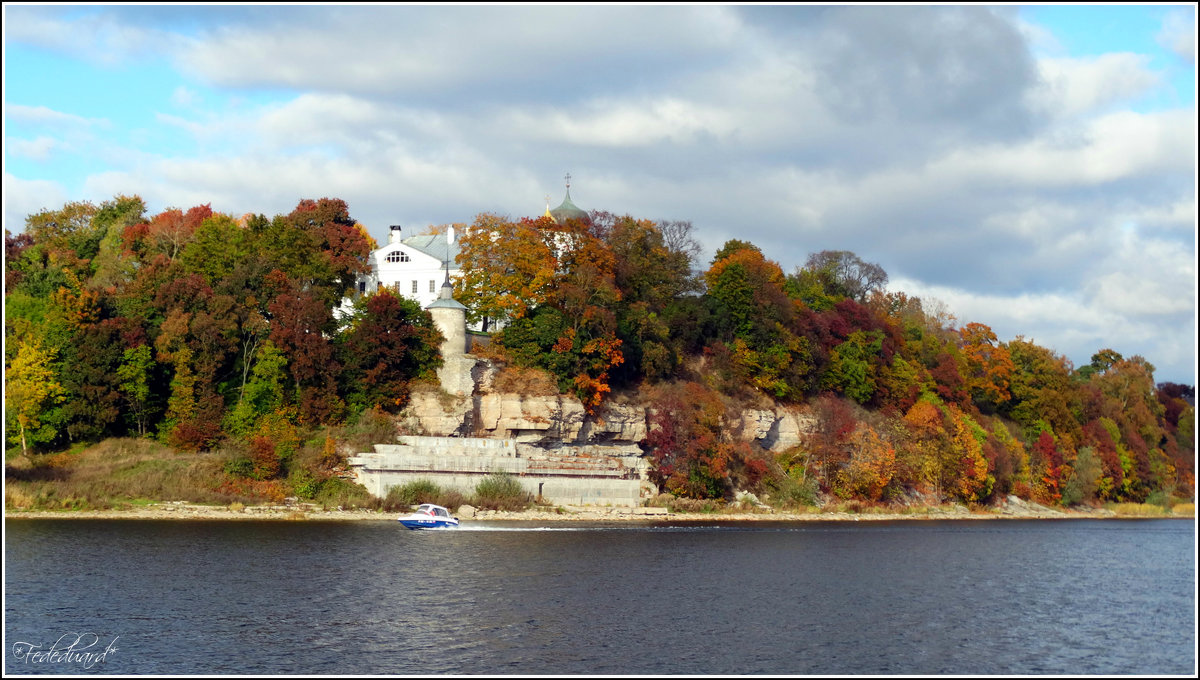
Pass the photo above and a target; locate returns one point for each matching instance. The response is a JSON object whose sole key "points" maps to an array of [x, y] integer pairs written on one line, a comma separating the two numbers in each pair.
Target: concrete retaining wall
{"points": [[558, 477]]}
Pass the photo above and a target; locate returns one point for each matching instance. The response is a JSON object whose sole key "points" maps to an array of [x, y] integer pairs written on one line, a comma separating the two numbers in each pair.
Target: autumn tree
{"points": [[1040, 389], [95, 403], [987, 366], [68, 236], [113, 264], [692, 454], [298, 321], [319, 246], [1048, 462], [870, 468], [966, 466], [30, 388], [390, 342], [1083, 480], [169, 231], [829, 443], [554, 287], [927, 444], [508, 268]]}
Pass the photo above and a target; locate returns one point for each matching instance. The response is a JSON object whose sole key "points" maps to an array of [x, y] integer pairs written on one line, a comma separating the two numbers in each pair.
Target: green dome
{"points": [[568, 211]]}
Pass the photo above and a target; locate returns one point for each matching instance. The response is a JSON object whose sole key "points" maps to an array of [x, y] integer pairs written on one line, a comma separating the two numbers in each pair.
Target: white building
{"points": [[414, 267]]}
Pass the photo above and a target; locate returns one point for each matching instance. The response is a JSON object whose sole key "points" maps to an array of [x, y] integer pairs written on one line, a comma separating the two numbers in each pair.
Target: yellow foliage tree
{"points": [[30, 389], [508, 268], [967, 468]]}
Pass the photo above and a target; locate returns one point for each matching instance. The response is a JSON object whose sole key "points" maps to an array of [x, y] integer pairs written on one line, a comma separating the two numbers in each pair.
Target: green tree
{"points": [[1083, 480], [852, 366], [755, 321], [1041, 389], [135, 374], [651, 275], [218, 246], [263, 394], [112, 265]]}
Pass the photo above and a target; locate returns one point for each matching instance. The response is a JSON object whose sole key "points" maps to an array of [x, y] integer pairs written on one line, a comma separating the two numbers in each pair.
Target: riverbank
{"points": [[179, 510]]}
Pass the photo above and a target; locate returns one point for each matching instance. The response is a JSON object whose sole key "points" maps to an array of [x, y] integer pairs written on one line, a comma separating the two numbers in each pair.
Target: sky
{"points": [[1031, 168]]}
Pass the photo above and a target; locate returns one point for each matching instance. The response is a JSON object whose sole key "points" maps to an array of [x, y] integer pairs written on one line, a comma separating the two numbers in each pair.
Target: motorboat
{"points": [[429, 516]]}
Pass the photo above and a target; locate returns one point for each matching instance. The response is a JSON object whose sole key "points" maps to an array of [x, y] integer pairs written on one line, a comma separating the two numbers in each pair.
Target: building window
{"points": [[432, 286], [397, 256], [362, 287], [414, 287]]}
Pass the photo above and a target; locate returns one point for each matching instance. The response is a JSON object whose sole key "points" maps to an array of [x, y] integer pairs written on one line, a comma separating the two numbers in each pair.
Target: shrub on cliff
{"points": [[501, 492]]}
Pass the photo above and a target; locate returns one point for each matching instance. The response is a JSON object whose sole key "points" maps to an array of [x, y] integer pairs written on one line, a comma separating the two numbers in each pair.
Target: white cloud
{"points": [[1078, 86], [414, 51], [1103, 149], [42, 115], [24, 197], [99, 37], [1178, 217], [618, 123], [38, 149], [1178, 34]]}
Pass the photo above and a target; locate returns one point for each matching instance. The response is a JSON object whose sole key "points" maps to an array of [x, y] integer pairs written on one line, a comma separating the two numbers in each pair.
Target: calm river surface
{"points": [[918, 597]]}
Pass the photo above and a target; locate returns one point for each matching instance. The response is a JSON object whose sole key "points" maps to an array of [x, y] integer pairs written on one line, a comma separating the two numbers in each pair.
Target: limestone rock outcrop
{"points": [[560, 420]]}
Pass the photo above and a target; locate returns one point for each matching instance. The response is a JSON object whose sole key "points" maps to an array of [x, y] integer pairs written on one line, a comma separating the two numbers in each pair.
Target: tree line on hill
{"points": [[204, 330]]}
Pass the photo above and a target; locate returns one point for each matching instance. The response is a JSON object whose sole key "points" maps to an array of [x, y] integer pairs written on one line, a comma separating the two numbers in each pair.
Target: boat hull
{"points": [[428, 523]]}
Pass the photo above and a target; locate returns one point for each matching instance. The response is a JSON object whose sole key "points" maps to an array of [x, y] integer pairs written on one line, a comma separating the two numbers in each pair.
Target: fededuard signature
{"points": [[76, 649]]}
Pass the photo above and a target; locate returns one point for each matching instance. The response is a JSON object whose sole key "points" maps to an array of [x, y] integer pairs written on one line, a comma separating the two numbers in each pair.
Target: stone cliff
{"points": [[558, 421]]}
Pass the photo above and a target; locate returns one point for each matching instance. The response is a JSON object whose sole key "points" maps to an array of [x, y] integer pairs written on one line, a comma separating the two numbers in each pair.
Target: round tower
{"points": [[450, 317]]}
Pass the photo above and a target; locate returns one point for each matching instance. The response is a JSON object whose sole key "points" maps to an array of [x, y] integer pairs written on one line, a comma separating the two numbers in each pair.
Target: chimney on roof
{"points": [[394, 233], [450, 234]]}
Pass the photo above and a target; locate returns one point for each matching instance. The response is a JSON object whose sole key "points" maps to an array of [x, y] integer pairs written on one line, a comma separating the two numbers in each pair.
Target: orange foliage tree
{"points": [[871, 467], [987, 366]]}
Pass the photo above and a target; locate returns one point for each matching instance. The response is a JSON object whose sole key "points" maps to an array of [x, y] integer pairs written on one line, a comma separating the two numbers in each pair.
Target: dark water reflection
{"points": [[955, 597]]}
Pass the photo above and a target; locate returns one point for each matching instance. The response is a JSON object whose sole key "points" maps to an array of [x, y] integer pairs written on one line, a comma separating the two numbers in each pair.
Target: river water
{"points": [[347, 598]]}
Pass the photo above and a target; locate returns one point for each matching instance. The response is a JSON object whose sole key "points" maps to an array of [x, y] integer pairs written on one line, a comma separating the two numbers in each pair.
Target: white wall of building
{"points": [[415, 270]]}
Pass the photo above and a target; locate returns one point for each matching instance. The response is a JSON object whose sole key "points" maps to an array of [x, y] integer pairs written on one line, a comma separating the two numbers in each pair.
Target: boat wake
{"points": [[462, 527]]}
